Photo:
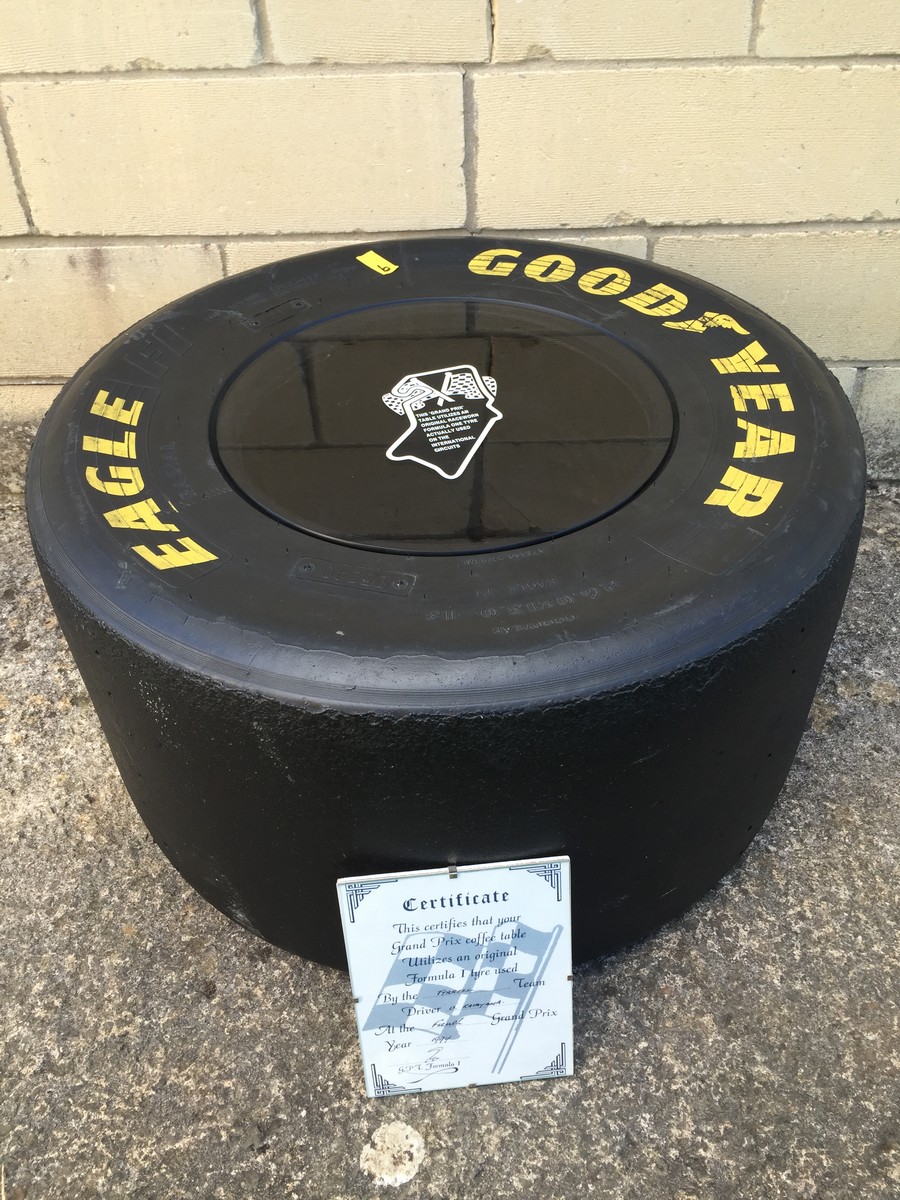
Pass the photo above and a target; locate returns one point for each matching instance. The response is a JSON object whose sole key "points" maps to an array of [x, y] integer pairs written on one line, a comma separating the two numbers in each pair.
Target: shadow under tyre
{"points": [[450, 551]]}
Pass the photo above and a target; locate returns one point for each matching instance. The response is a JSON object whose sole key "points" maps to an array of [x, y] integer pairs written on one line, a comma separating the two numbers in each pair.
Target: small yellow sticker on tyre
{"points": [[376, 262]]}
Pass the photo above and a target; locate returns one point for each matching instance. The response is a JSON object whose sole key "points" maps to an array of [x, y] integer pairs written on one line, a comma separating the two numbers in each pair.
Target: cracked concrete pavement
{"points": [[152, 1049]]}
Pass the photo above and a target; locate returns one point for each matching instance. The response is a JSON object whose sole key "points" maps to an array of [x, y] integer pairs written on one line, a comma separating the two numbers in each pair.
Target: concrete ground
{"points": [[152, 1049]]}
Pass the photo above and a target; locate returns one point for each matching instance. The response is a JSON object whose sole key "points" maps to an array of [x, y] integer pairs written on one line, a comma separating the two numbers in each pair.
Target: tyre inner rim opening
{"points": [[443, 427]]}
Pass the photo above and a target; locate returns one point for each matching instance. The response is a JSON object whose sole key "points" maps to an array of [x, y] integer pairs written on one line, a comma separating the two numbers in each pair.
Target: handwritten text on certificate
{"points": [[461, 976]]}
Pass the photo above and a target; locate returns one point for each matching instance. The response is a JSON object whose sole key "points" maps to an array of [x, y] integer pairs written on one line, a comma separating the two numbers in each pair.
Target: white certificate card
{"points": [[461, 976]]}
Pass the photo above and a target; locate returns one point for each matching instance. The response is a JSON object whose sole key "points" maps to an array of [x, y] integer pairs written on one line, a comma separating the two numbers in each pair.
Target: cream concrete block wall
{"points": [[149, 146], [586, 29], [25, 402], [380, 31], [119, 35], [622, 243], [877, 401], [828, 27], [12, 218], [58, 304], [846, 377], [251, 155], [21, 410], [241, 256], [686, 145], [837, 291]]}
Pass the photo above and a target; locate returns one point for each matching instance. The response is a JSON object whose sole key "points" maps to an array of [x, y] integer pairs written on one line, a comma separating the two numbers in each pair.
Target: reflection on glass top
{"points": [[443, 427]]}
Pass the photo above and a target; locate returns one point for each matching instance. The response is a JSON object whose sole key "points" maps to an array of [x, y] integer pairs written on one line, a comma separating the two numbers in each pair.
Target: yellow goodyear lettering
{"points": [[550, 268], [122, 481], [761, 442], [744, 494], [660, 300], [709, 320], [488, 262], [762, 395], [657, 301], [165, 555], [747, 360], [605, 281]]}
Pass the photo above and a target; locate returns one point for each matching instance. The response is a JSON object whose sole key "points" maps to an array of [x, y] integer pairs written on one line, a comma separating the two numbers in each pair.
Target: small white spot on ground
{"points": [[394, 1154]]}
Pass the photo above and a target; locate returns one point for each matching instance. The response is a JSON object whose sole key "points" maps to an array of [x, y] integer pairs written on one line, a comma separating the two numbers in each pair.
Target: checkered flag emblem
{"points": [[464, 978], [449, 413]]}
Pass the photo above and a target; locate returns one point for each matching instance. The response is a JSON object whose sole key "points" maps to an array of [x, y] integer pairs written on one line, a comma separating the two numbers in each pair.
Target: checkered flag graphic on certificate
{"points": [[464, 978]]}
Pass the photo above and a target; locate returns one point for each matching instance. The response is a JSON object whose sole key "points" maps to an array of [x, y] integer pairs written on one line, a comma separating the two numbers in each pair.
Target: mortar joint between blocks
{"points": [[470, 150], [756, 10], [262, 32], [16, 168]]}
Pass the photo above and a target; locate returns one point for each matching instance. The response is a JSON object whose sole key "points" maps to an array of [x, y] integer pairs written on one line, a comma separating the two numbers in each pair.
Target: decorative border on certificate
{"points": [[461, 976]]}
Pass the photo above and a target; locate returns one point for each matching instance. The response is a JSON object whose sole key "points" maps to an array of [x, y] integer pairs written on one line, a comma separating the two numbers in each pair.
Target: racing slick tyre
{"points": [[449, 551]]}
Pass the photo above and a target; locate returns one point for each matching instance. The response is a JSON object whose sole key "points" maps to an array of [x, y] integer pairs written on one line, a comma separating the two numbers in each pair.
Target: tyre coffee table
{"points": [[445, 551]]}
